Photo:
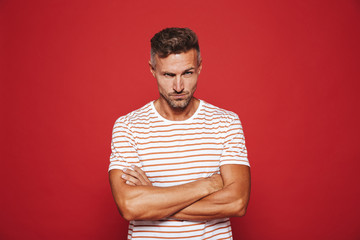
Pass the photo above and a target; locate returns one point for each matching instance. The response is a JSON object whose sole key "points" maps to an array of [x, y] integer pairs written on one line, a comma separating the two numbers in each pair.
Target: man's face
{"points": [[177, 77]]}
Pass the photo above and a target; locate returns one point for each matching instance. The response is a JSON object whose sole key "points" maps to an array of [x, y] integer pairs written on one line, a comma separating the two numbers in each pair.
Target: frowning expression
{"points": [[177, 76]]}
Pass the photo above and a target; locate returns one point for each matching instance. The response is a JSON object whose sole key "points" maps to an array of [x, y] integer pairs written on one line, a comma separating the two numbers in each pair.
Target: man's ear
{"points": [[199, 67], [152, 69]]}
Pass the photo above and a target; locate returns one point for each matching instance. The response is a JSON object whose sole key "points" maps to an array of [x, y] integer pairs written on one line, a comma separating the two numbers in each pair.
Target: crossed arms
{"points": [[221, 195]]}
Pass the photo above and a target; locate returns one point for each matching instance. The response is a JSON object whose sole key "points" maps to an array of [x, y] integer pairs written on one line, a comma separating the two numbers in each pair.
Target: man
{"points": [[179, 168]]}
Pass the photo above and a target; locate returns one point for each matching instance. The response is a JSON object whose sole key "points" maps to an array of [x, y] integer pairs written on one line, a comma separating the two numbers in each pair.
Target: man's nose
{"points": [[178, 84]]}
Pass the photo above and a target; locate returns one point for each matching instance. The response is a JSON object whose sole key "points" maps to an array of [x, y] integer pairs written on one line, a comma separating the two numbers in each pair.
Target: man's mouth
{"points": [[178, 96]]}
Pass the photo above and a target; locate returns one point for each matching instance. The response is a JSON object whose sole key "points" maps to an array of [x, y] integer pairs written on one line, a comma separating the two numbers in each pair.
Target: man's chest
{"points": [[180, 154]]}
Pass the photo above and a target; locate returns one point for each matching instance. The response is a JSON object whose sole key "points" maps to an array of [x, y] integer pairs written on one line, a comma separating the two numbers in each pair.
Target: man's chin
{"points": [[179, 104]]}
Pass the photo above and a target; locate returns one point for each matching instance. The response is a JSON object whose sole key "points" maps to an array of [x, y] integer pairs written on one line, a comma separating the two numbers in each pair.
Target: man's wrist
{"points": [[215, 182]]}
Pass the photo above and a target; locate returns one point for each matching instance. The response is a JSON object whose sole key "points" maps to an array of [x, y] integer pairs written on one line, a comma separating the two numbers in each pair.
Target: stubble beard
{"points": [[178, 104]]}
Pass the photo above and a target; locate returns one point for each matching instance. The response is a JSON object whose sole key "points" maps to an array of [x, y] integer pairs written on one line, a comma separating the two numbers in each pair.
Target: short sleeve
{"points": [[123, 147], [234, 151]]}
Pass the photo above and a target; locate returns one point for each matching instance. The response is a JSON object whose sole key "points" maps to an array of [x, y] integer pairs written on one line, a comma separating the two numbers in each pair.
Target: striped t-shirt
{"points": [[177, 152]]}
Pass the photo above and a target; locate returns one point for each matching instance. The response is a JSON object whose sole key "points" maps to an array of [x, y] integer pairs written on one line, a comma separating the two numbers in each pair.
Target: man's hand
{"points": [[135, 176]]}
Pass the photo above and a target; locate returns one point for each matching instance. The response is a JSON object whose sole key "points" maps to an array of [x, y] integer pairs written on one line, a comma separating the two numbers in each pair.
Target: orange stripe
{"points": [[186, 163], [176, 135], [208, 105], [226, 141], [201, 118], [177, 169], [228, 151], [142, 121], [214, 116], [219, 234], [219, 223], [120, 141], [178, 237], [178, 146], [123, 146], [184, 129], [172, 130], [235, 141], [178, 175], [181, 140], [177, 157], [180, 180], [157, 225], [183, 124], [232, 134], [135, 119], [120, 131], [246, 161], [145, 110], [175, 152], [128, 152], [181, 231]]}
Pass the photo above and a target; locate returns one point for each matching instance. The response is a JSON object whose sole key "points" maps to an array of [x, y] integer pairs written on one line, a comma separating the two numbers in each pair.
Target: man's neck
{"points": [[176, 114]]}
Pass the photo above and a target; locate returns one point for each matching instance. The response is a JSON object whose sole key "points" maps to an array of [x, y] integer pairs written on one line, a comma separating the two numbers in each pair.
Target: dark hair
{"points": [[173, 41]]}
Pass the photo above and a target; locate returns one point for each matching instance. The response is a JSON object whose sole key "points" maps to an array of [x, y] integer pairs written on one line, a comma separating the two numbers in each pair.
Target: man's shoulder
{"points": [[139, 114], [212, 110]]}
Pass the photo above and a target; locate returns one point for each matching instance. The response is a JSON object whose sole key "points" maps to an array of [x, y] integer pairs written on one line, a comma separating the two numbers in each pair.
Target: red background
{"points": [[290, 69]]}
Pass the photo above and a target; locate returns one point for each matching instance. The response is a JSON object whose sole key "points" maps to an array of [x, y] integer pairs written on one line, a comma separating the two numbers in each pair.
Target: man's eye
{"points": [[168, 75], [188, 73]]}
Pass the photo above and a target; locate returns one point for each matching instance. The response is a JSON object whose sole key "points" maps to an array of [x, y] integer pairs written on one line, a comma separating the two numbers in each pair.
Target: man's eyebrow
{"points": [[189, 69], [186, 70], [166, 72]]}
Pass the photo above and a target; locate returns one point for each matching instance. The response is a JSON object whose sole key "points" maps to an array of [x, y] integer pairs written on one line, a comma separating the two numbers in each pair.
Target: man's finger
{"points": [[130, 183], [130, 179], [142, 173], [136, 175]]}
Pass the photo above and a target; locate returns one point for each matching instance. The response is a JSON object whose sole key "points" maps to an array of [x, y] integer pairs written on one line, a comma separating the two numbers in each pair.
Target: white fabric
{"points": [[178, 152]]}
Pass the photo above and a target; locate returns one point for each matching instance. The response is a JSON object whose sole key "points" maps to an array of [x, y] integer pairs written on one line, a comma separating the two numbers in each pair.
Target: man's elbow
{"points": [[240, 208], [127, 214], [241, 212], [126, 210]]}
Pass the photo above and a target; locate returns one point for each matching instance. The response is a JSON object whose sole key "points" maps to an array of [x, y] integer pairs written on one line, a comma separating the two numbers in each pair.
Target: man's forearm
{"points": [[231, 201], [151, 203], [220, 204]]}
